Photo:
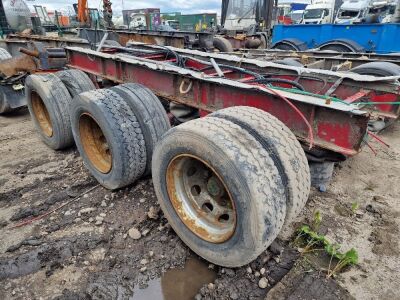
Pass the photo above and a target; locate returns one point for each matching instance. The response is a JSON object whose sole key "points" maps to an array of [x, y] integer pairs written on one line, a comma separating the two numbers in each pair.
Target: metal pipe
{"points": [[105, 36], [217, 68]]}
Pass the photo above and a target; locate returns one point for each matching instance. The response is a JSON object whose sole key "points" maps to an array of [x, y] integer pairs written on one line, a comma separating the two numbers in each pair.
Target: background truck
{"points": [[290, 11], [375, 38], [366, 11], [321, 12]]}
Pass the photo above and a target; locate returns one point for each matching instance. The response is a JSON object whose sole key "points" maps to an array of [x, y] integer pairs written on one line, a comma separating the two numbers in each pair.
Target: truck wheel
{"points": [[219, 189], [76, 81], [149, 112], [377, 68], [48, 103], [221, 44], [108, 137], [341, 45], [4, 106], [183, 113], [4, 54], [280, 143], [289, 62]]}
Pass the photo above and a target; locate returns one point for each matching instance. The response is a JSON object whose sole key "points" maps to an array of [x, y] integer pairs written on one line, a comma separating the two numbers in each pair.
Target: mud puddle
{"points": [[178, 283]]}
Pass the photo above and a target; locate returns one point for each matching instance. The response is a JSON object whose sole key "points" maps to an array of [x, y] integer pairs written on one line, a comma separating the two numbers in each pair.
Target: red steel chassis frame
{"points": [[336, 127]]}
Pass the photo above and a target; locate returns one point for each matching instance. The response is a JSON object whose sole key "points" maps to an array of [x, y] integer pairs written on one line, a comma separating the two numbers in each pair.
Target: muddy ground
{"points": [[89, 247]]}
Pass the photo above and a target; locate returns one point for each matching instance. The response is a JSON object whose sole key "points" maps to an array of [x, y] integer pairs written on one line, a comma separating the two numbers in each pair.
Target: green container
{"points": [[197, 22]]}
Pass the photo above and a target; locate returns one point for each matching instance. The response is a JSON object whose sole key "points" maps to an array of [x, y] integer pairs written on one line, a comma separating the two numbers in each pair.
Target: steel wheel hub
{"points": [[41, 114], [95, 143], [201, 199]]}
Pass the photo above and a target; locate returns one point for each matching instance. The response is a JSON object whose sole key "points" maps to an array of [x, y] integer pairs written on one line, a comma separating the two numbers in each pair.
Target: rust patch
{"points": [[15, 65]]}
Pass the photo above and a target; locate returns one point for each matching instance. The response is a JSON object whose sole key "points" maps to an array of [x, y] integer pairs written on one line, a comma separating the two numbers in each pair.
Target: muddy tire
{"points": [[149, 112], [4, 106], [222, 44], [289, 62], [378, 69], [183, 113], [108, 137], [219, 189], [4, 54], [76, 81], [281, 144], [48, 102]]}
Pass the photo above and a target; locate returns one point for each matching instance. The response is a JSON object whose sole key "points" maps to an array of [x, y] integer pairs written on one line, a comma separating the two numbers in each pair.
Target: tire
{"points": [[321, 174], [4, 54], [377, 68], [336, 48], [48, 102], [222, 44], [76, 81], [108, 137], [255, 189], [4, 105], [183, 113], [281, 143], [289, 62], [149, 112], [342, 45]]}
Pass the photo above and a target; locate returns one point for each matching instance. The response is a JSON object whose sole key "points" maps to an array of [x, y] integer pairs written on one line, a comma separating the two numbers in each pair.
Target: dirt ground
{"points": [[117, 245]]}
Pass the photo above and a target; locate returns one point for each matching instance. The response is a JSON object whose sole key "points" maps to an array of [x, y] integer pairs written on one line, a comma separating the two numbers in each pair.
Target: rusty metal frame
{"points": [[336, 126], [340, 84]]}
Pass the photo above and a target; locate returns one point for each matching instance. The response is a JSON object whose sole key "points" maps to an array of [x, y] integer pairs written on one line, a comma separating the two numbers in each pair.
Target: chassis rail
{"points": [[337, 127]]}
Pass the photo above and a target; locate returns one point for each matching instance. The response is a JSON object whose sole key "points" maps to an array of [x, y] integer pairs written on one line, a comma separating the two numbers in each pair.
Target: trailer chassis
{"points": [[335, 126]]}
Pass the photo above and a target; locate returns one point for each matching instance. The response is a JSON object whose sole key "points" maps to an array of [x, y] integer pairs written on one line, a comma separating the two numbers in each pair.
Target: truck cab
{"points": [[352, 11], [320, 12]]}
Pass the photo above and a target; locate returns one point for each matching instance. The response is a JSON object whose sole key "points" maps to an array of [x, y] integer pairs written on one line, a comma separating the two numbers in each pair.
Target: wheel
{"points": [[341, 45], [48, 101], [183, 113], [321, 174], [149, 112], [108, 137], [4, 105], [289, 62], [219, 189], [282, 145], [336, 48], [76, 81], [290, 45], [377, 68], [4, 54], [221, 44]]}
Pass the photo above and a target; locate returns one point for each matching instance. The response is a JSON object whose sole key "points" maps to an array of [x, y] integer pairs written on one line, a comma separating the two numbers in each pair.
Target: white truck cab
{"points": [[352, 11], [366, 11], [320, 12]]}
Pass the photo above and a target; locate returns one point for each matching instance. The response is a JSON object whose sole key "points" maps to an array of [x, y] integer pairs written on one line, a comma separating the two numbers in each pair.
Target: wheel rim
{"points": [[95, 143], [201, 198], [41, 114]]}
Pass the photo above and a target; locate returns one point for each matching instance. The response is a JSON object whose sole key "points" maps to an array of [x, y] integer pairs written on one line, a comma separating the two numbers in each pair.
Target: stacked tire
{"points": [[129, 120], [229, 182]]}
